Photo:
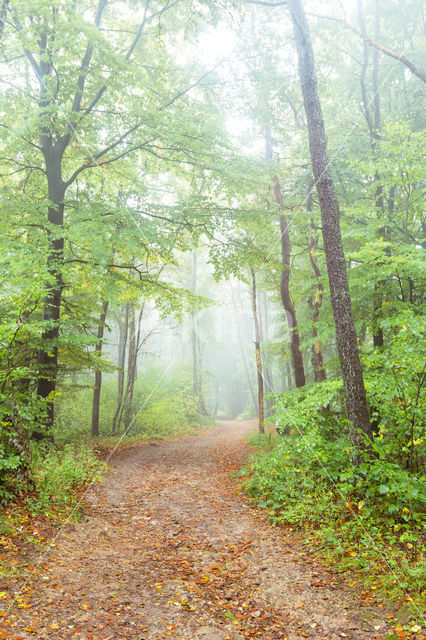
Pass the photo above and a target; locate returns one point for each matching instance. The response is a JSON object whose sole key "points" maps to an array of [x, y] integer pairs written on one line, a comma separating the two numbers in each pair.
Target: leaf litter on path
{"points": [[169, 548]]}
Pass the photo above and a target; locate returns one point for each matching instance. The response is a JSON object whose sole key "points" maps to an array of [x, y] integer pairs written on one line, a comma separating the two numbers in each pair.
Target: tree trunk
{"points": [[4, 7], [131, 367], [317, 358], [258, 356], [288, 372], [122, 342], [290, 312], [139, 341], [47, 358], [373, 120], [243, 351], [356, 401], [98, 373], [195, 388], [267, 369]]}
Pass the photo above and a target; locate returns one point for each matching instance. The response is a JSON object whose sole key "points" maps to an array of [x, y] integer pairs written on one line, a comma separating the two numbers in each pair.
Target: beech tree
{"points": [[79, 122], [356, 400]]}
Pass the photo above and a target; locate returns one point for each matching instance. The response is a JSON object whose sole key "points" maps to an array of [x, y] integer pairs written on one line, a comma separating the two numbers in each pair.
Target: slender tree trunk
{"points": [[195, 387], [258, 356], [266, 368], [373, 119], [139, 341], [243, 351], [122, 342], [131, 367], [4, 7], [288, 371], [378, 337], [98, 373], [196, 346], [356, 401], [290, 312], [317, 358]]}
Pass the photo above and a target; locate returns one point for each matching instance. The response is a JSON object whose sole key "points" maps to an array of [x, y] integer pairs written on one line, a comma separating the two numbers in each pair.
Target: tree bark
{"points": [[4, 7], [267, 368], [258, 356], [122, 342], [47, 358], [131, 367], [98, 373], [243, 351], [290, 312], [317, 357], [288, 373], [195, 387], [355, 396]]}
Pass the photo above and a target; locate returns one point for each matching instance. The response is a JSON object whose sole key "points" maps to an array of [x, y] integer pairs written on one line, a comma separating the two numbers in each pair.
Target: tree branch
{"points": [[99, 154], [84, 67], [139, 32], [415, 70], [197, 82]]}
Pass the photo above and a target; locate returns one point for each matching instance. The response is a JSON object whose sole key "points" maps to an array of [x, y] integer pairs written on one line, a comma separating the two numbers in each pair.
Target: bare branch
{"points": [[96, 156], [197, 82], [84, 67], [415, 70], [139, 32]]}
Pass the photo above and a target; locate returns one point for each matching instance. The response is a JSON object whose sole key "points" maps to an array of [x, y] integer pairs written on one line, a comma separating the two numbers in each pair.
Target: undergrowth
{"points": [[60, 475], [367, 519]]}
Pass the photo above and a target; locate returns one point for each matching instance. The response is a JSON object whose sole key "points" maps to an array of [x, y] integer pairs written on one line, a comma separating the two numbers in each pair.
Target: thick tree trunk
{"points": [[48, 353], [258, 356], [98, 373], [356, 402], [122, 342], [290, 312]]}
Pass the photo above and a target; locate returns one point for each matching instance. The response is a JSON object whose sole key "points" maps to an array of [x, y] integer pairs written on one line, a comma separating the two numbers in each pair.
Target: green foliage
{"points": [[60, 474], [396, 381], [163, 406], [370, 513]]}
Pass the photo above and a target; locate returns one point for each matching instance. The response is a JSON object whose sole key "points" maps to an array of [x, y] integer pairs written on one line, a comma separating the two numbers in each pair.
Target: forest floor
{"points": [[170, 548]]}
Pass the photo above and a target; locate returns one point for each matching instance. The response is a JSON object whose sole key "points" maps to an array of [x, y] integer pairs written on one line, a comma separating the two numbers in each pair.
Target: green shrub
{"points": [[366, 516], [163, 406], [60, 474]]}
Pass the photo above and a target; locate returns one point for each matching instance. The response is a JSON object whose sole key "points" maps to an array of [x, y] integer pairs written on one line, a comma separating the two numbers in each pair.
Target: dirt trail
{"points": [[169, 549]]}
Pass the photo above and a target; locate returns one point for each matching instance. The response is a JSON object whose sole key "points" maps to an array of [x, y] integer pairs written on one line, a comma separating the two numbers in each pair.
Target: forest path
{"points": [[170, 549]]}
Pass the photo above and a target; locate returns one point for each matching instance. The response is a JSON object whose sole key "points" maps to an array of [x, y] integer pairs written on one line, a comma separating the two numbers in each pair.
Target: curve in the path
{"points": [[170, 549]]}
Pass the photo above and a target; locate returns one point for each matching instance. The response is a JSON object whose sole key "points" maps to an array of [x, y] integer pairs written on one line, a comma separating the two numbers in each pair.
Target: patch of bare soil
{"points": [[170, 549]]}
